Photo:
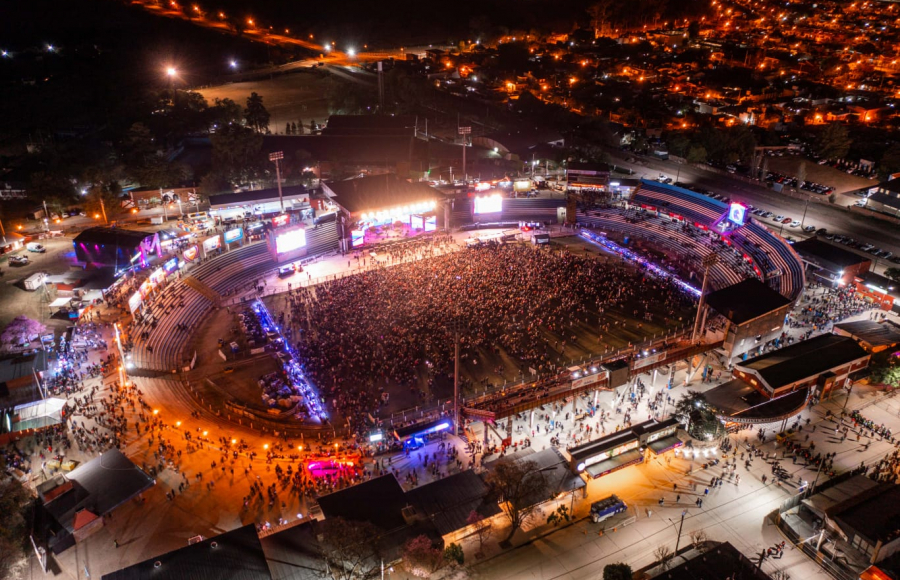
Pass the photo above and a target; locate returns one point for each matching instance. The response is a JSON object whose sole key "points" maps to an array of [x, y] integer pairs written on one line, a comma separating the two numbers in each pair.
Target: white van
{"points": [[35, 247]]}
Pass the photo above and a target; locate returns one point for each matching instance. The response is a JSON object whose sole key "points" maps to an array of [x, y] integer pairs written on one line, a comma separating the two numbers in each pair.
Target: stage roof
{"points": [[745, 301], [113, 236], [378, 192]]}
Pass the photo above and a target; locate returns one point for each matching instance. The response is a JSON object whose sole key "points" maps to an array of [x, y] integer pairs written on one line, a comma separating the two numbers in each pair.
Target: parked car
{"points": [[18, 260], [285, 271], [809, 229], [787, 220], [779, 218], [795, 224], [35, 247]]}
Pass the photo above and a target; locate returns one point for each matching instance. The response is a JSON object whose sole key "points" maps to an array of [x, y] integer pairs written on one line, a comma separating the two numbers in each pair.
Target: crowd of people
{"points": [[390, 326]]}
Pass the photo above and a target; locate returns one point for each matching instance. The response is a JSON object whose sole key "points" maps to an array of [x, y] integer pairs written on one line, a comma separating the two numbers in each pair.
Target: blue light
{"points": [[639, 260]]}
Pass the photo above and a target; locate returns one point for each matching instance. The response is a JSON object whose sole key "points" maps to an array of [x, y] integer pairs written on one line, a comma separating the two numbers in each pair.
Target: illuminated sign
{"points": [[190, 254], [134, 302], [357, 238], [291, 240], [736, 214], [212, 243], [482, 186], [489, 204], [234, 235], [171, 265], [281, 220]]}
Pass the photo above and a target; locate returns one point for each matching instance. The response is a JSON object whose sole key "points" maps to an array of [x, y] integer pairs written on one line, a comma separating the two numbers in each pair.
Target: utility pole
{"points": [[464, 131], [681, 525], [803, 219], [708, 262], [277, 156]]}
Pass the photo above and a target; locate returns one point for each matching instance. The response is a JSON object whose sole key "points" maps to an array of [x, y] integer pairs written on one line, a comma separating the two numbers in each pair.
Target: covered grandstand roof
{"points": [[378, 192], [745, 301]]}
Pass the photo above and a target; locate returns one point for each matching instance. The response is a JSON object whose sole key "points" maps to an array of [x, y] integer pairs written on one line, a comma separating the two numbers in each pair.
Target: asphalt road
{"points": [[834, 217]]}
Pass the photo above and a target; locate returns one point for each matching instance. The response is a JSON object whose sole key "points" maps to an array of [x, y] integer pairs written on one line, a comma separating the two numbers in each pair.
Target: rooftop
{"points": [[864, 514], [884, 333], [378, 192], [113, 236], [234, 555], [814, 248], [100, 486], [243, 197], [448, 502], [804, 359], [746, 301], [722, 561]]}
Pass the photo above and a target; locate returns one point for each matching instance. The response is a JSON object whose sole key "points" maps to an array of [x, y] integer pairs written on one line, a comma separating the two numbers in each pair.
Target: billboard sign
{"points": [[234, 235], [171, 265], [210, 244], [190, 254], [736, 214], [281, 220]]}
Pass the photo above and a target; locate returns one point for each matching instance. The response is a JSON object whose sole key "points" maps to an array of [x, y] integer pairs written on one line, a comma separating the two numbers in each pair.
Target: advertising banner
{"points": [[648, 360], [589, 380], [190, 254], [234, 235]]}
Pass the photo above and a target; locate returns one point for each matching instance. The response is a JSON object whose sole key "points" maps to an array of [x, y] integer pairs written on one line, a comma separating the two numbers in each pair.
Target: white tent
{"points": [[38, 414]]}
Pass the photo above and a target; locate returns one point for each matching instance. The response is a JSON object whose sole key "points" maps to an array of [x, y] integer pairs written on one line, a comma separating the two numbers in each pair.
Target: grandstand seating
{"points": [[669, 237], [692, 206]]}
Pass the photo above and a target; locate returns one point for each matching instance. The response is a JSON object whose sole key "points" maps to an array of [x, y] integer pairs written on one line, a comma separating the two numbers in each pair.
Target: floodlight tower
{"points": [[275, 157], [709, 261]]}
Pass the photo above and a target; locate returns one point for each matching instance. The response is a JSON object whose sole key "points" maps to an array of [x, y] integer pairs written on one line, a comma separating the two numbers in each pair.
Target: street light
{"points": [[233, 64], [171, 71]]}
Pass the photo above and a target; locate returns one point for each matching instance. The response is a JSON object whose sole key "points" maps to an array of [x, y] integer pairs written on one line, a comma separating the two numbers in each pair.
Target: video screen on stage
{"points": [[489, 204], [737, 213], [357, 238], [290, 240], [430, 224]]}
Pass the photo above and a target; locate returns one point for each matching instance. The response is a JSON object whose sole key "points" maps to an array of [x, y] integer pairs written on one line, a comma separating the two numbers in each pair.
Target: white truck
{"points": [[34, 281]]}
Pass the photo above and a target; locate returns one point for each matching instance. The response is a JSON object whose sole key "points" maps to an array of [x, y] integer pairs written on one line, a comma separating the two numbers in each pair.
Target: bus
{"points": [[606, 508]]}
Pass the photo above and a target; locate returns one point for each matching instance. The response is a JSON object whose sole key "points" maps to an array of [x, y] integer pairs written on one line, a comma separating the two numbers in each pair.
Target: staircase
{"points": [[204, 290]]}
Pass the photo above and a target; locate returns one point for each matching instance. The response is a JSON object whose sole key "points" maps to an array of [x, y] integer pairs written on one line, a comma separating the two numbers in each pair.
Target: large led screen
{"points": [[290, 240], [736, 214], [489, 204]]}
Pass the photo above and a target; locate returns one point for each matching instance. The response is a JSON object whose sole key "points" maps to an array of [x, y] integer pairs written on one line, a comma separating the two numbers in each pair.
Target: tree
{"points": [[663, 556], [890, 162], [255, 114], [699, 539], [893, 274], [834, 141], [618, 571], [14, 501], [454, 553], [421, 557], [801, 174], [696, 154], [144, 162], [21, 330], [701, 419], [521, 486], [885, 372], [559, 516], [483, 528], [237, 153], [224, 112], [349, 548], [298, 127]]}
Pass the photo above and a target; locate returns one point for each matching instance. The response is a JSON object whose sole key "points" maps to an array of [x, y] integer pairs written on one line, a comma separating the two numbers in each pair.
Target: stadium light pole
{"points": [[465, 131], [709, 261], [456, 326], [275, 157]]}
